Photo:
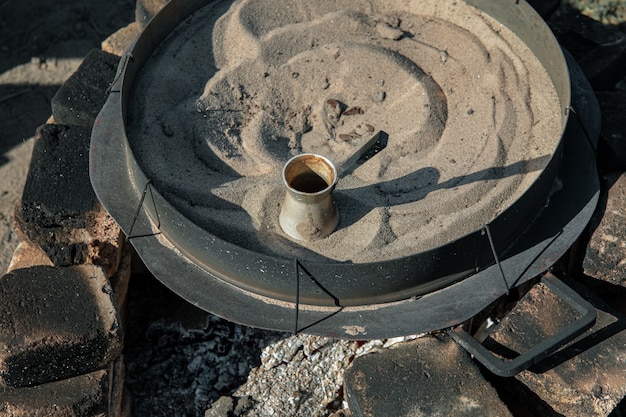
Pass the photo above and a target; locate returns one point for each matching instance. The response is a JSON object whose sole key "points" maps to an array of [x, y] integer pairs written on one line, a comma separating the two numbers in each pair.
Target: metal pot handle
{"points": [[545, 348]]}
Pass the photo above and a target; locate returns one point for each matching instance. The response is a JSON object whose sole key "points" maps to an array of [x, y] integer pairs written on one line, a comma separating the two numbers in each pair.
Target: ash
{"points": [[302, 375], [179, 359], [184, 362], [180, 370]]}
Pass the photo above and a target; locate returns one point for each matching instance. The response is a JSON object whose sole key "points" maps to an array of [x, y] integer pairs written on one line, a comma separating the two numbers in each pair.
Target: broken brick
{"points": [[59, 210], [118, 42]]}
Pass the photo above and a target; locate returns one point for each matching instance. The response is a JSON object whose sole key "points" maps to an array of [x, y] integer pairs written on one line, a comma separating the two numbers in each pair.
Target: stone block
{"points": [[96, 394], [57, 189], [146, 9], [56, 323], [121, 280], [59, 210], [79, 100], [605, 257], [118, 42], [600, 50], [612, 144], [28, 254], [430, 376], [585, 378], [118, 404]]}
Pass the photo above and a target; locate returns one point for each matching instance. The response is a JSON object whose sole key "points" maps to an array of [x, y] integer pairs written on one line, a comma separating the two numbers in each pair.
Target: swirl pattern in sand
{"points": [[471, 114]]}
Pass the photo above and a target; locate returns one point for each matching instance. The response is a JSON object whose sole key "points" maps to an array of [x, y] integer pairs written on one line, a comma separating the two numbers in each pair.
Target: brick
{"points": [[605, 257], [600, 50], [429, 376], [57, 189], [79, 100], [118, 42], [121, 280], [585, 378], [146, 9], [545, 8], [118, 405], [56, 323], [612, 144], [59, 210], [28, 254], [96, 394]]}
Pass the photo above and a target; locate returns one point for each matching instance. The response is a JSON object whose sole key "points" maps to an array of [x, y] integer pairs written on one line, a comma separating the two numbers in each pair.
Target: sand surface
{"points": [[241, 87]]}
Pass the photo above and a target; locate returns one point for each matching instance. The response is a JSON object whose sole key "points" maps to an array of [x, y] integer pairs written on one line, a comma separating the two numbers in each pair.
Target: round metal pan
{"points": [[422, 292]]}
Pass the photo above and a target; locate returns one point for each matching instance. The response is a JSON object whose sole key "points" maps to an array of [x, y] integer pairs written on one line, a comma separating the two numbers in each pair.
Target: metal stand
{"points": [[541, 350]]}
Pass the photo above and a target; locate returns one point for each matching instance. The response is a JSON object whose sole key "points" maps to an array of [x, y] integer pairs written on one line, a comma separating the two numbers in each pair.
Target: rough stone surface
{"points": [[118, 42], [118, 405], [121, 280], [13, 170], [431, 376], [56, 323], [222, 407], [310, 368], [57, 189], [96, 394], [79, 100], [146, 9], [612, 146], [585, 378], [59, 210], [599, 50], [28, 254], [606, 252], [81, 396]]}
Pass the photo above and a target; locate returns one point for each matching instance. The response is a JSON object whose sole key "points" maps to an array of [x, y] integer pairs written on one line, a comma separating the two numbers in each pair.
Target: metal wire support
{"points": [[121, 70], [298, 267], [297, 270], [147, 187], [495, 256]]}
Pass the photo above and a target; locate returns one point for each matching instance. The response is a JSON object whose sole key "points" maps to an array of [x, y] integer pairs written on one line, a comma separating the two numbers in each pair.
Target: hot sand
{"points": [[241, 87]]}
